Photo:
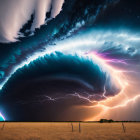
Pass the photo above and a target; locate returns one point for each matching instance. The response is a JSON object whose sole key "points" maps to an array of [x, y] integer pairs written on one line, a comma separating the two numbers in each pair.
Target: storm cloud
{"points": [[56, 77], [14, 14]]}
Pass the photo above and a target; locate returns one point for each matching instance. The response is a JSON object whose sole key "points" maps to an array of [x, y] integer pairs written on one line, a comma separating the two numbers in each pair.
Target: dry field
{"points": [[63, 131]]}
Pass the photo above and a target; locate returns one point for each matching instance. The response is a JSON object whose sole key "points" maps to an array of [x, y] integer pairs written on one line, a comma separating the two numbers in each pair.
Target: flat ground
{"points": [[63, 131]]}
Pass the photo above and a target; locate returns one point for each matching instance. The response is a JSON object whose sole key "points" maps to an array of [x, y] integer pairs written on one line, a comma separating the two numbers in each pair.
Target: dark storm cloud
{"points": [[56, 76], [124, 14]]}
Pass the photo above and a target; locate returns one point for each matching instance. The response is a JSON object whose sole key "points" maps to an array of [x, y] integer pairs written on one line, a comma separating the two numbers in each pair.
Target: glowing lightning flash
{"points": [[2, 118], [119, 76]]}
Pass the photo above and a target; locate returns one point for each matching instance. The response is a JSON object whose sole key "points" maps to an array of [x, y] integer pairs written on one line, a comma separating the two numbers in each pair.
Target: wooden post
{"points": [[72, 126], [3, 126], [79, 128], [124, 128]]}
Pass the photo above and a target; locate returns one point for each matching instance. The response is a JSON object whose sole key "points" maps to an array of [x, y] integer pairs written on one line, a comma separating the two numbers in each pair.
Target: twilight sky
{"points": [[69, 60]]}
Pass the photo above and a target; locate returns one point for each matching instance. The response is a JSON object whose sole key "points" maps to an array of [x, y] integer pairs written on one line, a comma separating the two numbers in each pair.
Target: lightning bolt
{"points": [[119, 75]]}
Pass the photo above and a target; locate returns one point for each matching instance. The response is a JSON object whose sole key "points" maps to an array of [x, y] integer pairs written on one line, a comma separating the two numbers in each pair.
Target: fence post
{"points": [[79, 128], [3, 126], [72, 126], [124, 128]]}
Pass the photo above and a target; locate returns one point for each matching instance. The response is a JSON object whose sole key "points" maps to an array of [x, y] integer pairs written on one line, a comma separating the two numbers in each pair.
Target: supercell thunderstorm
{"points": [[78, 72]]}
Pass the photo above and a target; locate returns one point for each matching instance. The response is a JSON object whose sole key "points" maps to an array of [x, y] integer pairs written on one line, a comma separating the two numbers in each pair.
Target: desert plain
{"points": [[63, 131]]}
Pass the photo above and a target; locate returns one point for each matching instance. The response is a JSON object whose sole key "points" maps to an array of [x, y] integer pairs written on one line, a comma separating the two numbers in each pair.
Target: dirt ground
{"points": [[63, 131]]}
